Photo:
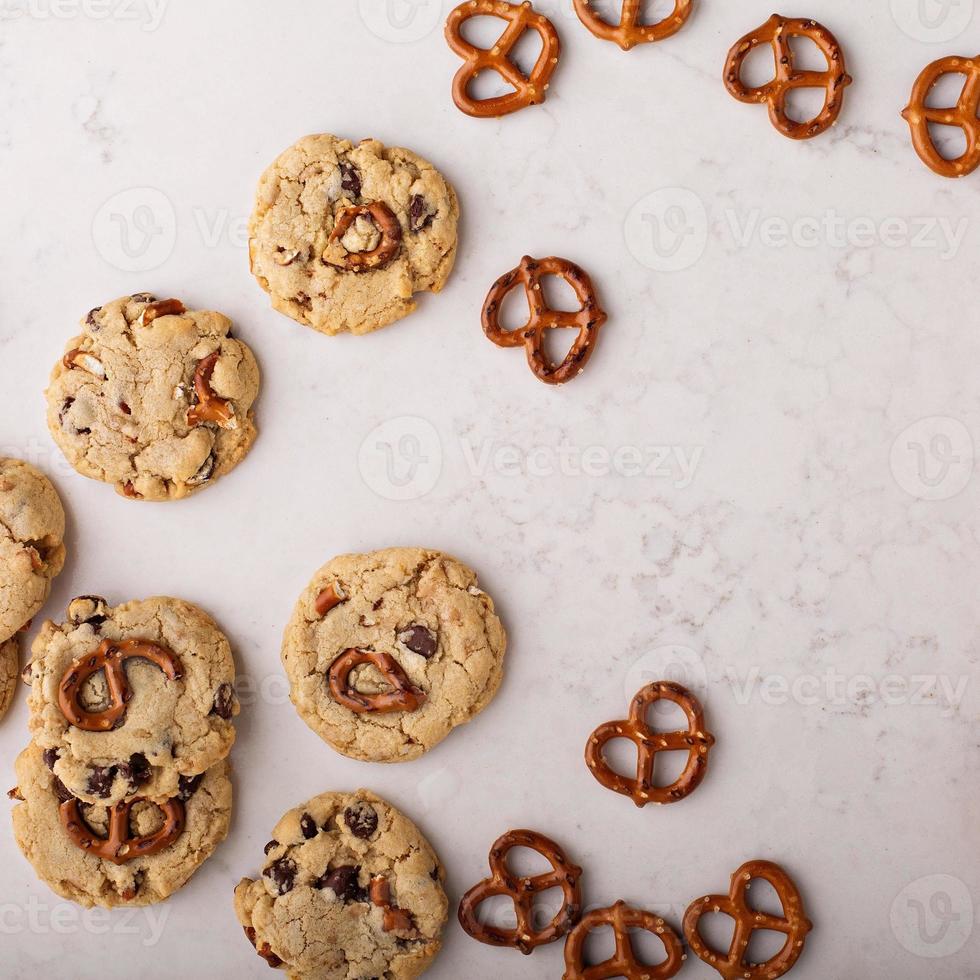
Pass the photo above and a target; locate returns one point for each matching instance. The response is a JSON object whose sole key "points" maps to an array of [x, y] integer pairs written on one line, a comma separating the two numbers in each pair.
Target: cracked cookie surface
{"points": [[9, 658], [80, 876], [32, 552], [350, 890], [171, 729], [396, 218], [125, 403], [421, 610]]}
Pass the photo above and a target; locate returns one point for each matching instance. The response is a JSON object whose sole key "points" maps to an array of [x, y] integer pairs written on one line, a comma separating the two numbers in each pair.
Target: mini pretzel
{"points": [[522, 891], [792, 923], [119, 846], [777, 31], [628, 33], [388, 228], [110, 657], [624, 963], [209, 407], [587, 320], [963, 115], [404, 696], [528, 89], [696, 741]]}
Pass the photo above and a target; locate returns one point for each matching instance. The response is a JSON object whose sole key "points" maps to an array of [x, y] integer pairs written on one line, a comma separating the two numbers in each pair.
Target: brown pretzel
{"points": [[696, 741], [777, 31], [388, 228], [404, 696], [333, 595], [396, 920], [503, 881], [119, 846], [110, 657], [624, 963], [209, 407], [528, 89], [588, 320], [963, 115], [792, 923], [629, 32]]}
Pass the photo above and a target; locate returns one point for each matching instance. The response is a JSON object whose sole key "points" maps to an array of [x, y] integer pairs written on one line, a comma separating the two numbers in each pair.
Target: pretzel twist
{"points": [[120, 846], [963, 115], [793, 923], [522, 891], [528, 89], [629, 32], [388, 228], [404, 696], [777, 32]]}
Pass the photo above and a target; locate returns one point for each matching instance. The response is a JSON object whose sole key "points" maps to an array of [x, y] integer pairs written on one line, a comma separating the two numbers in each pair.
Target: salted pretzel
{"points": [[629, 32], [777, 32], [963, 115], [696, 741], [120, 846], [404, 695], [384, 220], [588, 319], [111, 657], [210, 407], [528, 89], [792, 923], [522, 891], [624, 962]]}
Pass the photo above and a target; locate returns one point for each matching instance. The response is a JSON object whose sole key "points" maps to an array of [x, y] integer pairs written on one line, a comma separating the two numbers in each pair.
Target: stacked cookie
{"points": [[125, 786]]}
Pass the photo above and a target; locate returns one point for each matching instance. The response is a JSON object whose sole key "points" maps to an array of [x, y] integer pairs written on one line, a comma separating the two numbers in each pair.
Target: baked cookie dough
{"points": [[9, 657], [153, 398], [32, 553], [412, 627], [350, 890], [342, 236], [173, 722], [191, 827]]}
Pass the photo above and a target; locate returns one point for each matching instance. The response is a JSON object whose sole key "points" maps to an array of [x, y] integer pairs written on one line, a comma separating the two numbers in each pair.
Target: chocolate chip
{"points": [[308, 827], [283, 874], [187, 786], [271, 846], [420, 640], [343, 882], [137, 771], [434, 873], [50, 757], [361, 819], [224, 702], [350, 180], [143, 298], [100, 780], [90, 319], [419, 216], [125, 409]]}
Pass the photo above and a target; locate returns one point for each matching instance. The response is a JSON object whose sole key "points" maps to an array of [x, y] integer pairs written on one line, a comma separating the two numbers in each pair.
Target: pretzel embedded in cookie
{"points": [[588, 319], [918, 114], [529, 89], [522, 891], [388, 228], [209, 407], [793, 923], [404, 696], [777, 32], [120, 846], [629, 32], [696, 741]]}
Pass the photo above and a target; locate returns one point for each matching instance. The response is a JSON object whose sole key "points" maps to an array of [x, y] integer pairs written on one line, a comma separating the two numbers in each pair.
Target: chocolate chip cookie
{"points": [[154, 398], [132, 700], [32, 552], [134, 853], [388, 652], [350, 889], [9, 656], [342, 236]]}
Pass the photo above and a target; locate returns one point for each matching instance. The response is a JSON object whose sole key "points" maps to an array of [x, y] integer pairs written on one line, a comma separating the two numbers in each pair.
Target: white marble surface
{"points": [[804, 527]]}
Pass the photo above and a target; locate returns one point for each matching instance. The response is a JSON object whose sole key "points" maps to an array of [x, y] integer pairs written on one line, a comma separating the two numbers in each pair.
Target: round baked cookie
{"points": [[66, 841], [154, 398], [174, 720], [350, 890], [9, 657], [32, 552], [388, 652], [342, 236]]}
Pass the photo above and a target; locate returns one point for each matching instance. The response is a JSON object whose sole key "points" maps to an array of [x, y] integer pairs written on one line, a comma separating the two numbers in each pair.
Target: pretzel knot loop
{"points": [[777, 32], [404, 695], [522, 892], [963, 115], [793, 923], [624, 963], [588, 319], [629, 32], [119, 845], [387, 228], [696, 741], [111, 658], [528, 89]]}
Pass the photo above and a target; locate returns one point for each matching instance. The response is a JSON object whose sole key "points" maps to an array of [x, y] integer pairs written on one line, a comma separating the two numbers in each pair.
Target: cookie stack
{"points": [[125, 785]]}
